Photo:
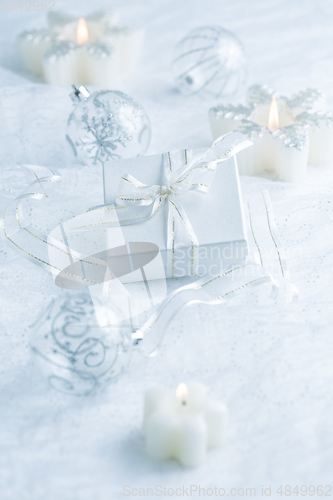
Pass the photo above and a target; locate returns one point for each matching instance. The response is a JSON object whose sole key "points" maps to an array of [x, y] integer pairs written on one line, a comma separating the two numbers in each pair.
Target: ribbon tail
{"points": [[171, 240], [210, 290], [266, 247], [17, 232], [181, 230], [290, 290], [222, 148]]}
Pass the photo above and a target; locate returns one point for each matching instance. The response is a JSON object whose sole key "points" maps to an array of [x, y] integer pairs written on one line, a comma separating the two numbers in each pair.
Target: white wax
{"points": [[290, 162], [320, 130], [321, 145], [183, 428], [61, 66], [279, 152], [128, 41], [260, 114], [270, 151], [32, 46], [270, 154], [100, 66], [89, 64], [222, 123]]}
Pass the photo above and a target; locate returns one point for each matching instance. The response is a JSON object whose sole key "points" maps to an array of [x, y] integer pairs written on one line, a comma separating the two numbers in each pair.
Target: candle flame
{"points": [[273, 117], [82, 35], [181, 391]]}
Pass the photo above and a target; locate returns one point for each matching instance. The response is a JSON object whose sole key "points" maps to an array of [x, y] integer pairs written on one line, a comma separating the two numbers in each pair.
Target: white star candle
{"points": [[287, 133], [91, 51], [183, 424], [80, 56]]}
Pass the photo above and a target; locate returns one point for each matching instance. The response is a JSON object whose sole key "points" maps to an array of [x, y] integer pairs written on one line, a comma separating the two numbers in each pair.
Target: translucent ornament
{"points": [[210, 62], [106, 125], [77, 356]]}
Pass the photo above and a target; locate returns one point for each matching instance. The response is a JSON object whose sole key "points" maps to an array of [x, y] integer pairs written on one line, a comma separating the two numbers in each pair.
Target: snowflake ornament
{"points": [[106, 125]]}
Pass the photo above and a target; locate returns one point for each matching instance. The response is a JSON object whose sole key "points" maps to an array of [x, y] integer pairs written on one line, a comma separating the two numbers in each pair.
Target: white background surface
{"points": [[270, 364]]}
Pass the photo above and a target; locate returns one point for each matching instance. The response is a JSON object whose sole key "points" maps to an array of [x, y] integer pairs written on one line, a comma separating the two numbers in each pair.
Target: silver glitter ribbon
{"points": [[212, 290], [142, 201]]}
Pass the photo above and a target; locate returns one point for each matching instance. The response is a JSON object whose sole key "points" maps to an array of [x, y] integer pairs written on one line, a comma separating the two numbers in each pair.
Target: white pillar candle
{"points": [[183, 424], [33, 45], [128, 41]]}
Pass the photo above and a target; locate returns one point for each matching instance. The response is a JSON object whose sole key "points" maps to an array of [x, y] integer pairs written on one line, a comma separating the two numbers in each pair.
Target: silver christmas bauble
{"points": [[76, 356], [209, 62], [106, 125]]}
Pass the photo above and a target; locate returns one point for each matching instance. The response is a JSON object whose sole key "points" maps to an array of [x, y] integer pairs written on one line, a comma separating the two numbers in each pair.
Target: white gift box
{"points": [[216, 217]]}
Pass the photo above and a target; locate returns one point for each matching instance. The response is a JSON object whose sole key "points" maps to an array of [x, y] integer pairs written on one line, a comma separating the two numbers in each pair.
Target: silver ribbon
{"points": [[32, 245], [24, 239], [287, 288], [143, 201], [209, 290]]}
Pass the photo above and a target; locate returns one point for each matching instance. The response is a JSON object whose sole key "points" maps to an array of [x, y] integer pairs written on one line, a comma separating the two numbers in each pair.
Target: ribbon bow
{"points": [[181, 174]]}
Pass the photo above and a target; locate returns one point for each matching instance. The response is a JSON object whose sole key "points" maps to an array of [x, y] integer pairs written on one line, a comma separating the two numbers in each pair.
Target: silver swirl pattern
{"points": [[75, 354]]}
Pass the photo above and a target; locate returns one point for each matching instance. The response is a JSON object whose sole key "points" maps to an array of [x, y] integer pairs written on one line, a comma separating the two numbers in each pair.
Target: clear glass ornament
{"points": [[75, 354], [209, 62], [106, 125]]}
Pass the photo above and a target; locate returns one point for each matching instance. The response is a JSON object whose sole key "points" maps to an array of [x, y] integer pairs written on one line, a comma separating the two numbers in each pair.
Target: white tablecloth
{"points": [[271, 364]]}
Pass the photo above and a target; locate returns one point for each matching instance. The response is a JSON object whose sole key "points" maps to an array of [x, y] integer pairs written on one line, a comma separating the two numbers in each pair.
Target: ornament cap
{"points": [[79, 94]]}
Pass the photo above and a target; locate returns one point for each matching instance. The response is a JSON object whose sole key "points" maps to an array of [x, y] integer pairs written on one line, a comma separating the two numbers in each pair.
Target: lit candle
{"points": [[183, 424], [96, 51], [283, 146], [83, 61], [285, 138]]}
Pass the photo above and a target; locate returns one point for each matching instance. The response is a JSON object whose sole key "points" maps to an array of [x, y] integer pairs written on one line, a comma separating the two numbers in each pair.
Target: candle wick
{"points": [[184, 402]]}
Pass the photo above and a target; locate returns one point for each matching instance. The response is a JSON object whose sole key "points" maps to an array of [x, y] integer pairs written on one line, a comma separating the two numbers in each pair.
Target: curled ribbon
{"points": [[210, 290], [196, 175], [143, 201], [24, 239]]}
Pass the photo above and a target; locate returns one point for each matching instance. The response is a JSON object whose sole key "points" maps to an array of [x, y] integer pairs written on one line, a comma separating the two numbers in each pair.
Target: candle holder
{"points": [[287, 133], [106, 125]]}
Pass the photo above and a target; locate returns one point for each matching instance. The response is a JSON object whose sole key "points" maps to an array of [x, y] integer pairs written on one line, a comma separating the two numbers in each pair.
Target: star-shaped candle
{"points": [[92, 50], [287, 134], [183, 424]]}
